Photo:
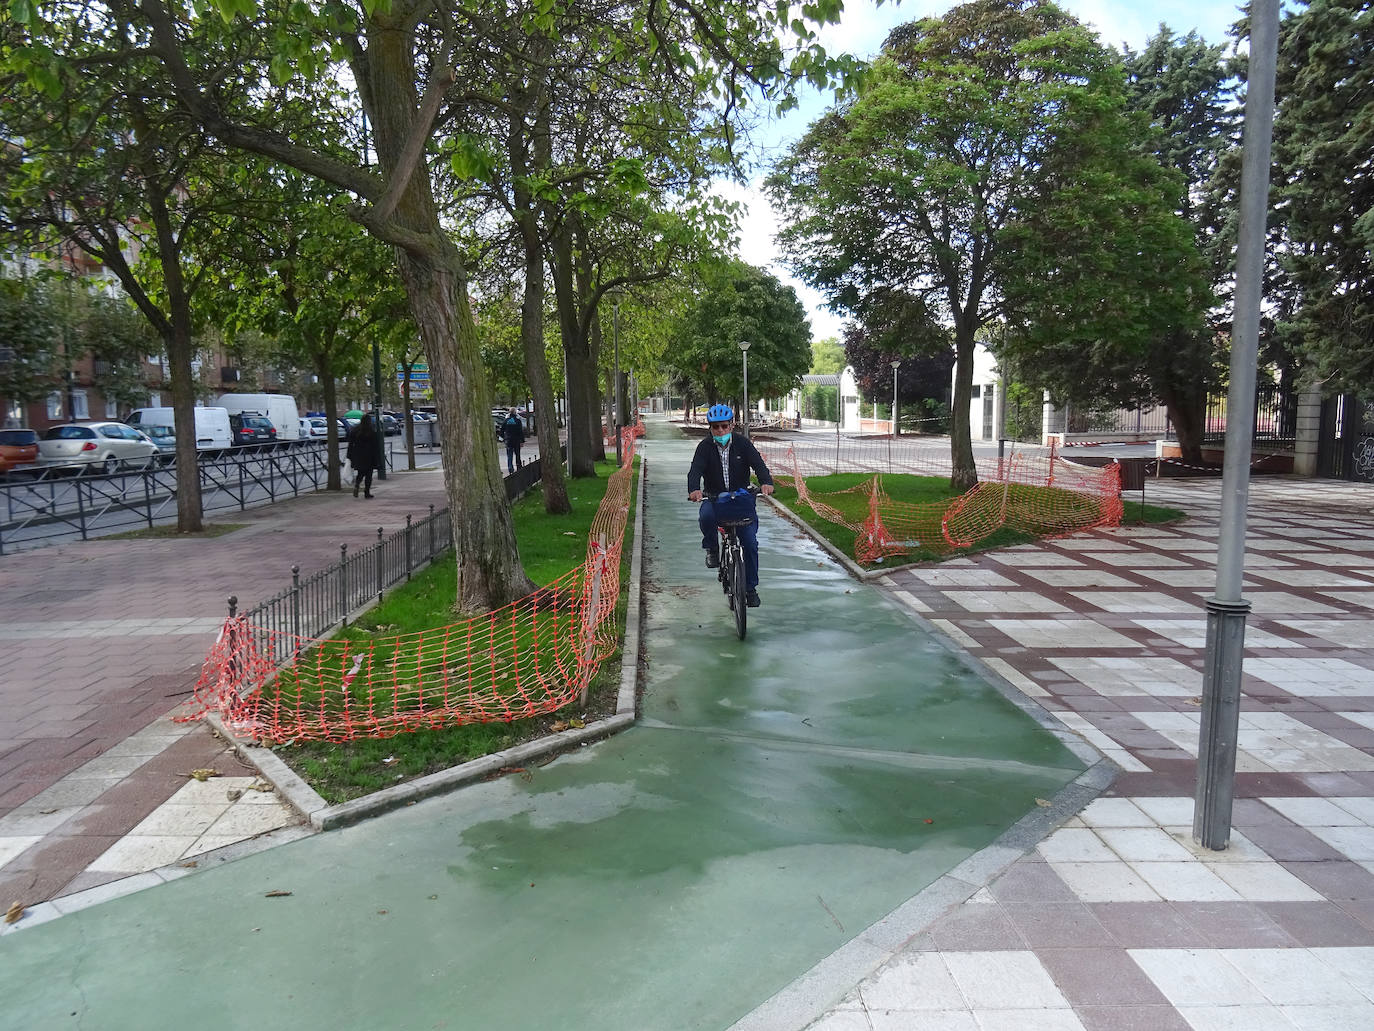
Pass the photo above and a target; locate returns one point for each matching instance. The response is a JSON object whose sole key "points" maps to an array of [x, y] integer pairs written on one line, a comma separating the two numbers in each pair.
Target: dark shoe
{"points": [[712, 560], [356, 488], [753, 600], [367, 495]]}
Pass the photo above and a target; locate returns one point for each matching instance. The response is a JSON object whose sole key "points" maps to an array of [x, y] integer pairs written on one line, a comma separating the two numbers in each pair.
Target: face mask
{"points": [[723, 440]]}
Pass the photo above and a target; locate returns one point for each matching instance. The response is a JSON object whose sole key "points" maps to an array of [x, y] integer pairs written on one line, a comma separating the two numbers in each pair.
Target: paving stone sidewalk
{"points": [[99, 641], [1118, 920]]}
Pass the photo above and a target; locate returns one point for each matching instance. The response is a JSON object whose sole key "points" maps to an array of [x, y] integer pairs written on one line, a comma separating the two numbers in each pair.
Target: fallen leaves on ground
{"points": [[276, 894], [14, 912], [203, 774], [1043, 803]]}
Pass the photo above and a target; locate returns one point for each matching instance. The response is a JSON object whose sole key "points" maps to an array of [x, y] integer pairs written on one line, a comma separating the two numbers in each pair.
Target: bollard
{"points": [[233, 605]]}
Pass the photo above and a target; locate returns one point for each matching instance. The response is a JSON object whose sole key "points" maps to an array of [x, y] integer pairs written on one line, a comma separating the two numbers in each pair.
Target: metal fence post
{"points": [[81, 509], [381, 556], [431, 532], [409, 564], [148, 495], [296, 605], [242, 505], [343, 583]]}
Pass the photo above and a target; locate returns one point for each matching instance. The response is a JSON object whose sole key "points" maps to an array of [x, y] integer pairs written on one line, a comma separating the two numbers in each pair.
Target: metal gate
{"points": [[1345, 449]]}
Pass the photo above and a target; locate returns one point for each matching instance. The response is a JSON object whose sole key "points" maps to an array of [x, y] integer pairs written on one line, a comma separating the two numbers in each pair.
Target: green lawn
{"points": [[550, 547], [915, 507]]}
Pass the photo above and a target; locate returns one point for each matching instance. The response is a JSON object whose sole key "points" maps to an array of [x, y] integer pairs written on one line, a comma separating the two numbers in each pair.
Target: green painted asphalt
{"points": [[778, 796]]}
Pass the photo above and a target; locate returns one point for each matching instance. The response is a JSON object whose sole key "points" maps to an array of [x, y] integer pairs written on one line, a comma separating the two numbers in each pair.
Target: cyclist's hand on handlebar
{"points": [[767, 488], [696, 495]]}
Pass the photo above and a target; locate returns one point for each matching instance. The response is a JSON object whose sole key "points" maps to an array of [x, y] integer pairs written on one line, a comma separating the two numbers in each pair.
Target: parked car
{"points": [[252, 429], [164, 437], [279, 409], [18, 451], [391, 426], [314, 427], [106, 445]]}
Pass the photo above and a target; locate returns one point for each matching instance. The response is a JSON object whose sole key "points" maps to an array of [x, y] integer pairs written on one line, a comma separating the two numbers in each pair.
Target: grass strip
{"points": [[550, 546], [931, 496]]}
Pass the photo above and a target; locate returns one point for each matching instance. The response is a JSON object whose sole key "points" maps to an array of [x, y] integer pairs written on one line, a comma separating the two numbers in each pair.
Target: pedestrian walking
{"points": [[362, 455], [513, 433]]}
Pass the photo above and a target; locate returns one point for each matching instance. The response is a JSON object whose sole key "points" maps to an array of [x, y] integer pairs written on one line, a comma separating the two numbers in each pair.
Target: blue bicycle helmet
{"points": [[720, 413]]}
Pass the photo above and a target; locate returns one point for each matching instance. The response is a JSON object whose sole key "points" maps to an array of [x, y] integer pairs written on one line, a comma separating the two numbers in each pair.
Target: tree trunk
{"points": [[965, 474], [576, 355], [324, 367], [1188, 412], [180, 350], [552, 483], [489, 572], [409, 419]]}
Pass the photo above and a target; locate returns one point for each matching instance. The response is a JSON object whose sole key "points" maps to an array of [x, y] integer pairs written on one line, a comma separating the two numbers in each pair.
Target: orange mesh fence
{"points": [[1032, 490], [530, 657]]}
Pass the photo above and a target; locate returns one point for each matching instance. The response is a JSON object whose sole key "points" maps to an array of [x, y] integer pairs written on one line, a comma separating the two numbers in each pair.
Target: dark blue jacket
{"points": [[513, 431], [706, 466]]}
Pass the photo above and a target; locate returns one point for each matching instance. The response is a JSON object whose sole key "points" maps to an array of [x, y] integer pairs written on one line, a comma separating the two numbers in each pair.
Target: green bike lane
{"points": [[778, 795]]}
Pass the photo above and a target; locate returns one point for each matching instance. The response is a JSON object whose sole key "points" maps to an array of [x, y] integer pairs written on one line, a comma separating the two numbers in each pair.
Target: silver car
{"points": [[106, 445]]}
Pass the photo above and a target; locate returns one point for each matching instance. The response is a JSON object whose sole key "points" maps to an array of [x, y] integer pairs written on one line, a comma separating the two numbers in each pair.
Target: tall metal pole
{"points": [[615, 385], [895, 428], [744, 350], [1217, 740]]}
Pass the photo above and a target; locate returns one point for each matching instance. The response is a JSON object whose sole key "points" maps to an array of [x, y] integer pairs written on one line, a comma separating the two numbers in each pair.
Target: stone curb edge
{"points": [[808, 996], [322, 816], [855, 570]]}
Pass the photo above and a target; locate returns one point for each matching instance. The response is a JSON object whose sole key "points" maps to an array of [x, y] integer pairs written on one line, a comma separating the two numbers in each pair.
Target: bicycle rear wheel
{"points": [[738, 590]]}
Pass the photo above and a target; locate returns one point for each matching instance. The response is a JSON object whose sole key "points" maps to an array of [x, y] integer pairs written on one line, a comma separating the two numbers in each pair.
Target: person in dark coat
{"points": [[513, 433], [722, 463], [362, 455]]}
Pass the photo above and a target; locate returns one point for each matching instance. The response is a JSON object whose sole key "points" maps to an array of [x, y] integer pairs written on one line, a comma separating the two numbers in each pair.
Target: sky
{"points": [[861, 32]]}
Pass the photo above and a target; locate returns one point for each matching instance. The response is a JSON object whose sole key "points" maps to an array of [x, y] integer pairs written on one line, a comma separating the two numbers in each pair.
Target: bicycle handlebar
{"points": [[751, 489]]}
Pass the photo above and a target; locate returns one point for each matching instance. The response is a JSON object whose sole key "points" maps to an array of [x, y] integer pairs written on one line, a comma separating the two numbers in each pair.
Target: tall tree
{"points": [[403, 58], [1324, 188], [31, 328], [738, 302]]}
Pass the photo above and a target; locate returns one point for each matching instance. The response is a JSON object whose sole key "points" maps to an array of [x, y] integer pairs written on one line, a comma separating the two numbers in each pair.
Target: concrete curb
{"points": [[816, 991], [322, 816], [855, 570]]}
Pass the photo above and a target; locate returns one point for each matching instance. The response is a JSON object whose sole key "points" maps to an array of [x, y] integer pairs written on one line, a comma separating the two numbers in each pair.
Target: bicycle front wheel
{"points": [[739, 592]]}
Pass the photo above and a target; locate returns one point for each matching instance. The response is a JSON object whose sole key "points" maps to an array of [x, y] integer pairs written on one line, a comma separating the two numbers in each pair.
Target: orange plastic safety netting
{"points": [[530, 657], [1032, 490]]}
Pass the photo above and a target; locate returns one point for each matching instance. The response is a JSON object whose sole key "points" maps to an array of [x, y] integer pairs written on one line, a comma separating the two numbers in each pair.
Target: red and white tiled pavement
{"points": [[1118, 920]]}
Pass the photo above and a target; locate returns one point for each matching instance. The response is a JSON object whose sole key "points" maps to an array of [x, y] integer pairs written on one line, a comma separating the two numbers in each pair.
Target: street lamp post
{"points": [[895, 427], [744, 350], [377, 427]]}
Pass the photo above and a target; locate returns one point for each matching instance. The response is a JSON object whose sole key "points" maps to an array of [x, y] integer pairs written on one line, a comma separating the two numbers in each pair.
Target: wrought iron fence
{"points": [[1148, 422], [1276, 418], [52, 507], [310, 607]]}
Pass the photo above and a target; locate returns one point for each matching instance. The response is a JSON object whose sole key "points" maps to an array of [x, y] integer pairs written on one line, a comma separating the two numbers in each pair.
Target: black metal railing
{"points": [[313, 605], [50, 507], [1275, 424]]}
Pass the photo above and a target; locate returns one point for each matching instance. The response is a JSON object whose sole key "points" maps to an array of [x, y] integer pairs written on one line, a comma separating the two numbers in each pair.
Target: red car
{"points": [[18, 450]]}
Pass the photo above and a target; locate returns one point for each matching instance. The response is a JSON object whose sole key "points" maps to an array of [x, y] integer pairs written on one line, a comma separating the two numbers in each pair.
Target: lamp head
{"points": [[744, 345]]}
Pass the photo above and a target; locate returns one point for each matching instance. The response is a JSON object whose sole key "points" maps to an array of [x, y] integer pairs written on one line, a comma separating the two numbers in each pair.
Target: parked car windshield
{"points": [[68, 433], [18, 438]]}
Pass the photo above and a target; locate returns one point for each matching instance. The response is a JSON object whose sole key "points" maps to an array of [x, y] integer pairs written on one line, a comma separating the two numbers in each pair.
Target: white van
{"points": [[212, 424], [280, 410]]}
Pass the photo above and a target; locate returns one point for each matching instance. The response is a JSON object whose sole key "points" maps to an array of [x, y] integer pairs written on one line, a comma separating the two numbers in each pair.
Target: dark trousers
{"points": [[364, 477], [748, 536], [513, 461]]}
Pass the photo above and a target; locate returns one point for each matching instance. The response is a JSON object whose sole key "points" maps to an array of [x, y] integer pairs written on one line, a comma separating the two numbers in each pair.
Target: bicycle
{"points": [[734, 509]]}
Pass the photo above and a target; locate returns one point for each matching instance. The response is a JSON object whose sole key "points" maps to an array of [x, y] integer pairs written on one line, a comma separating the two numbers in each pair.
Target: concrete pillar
{"points": [[1046, 413], [1308, 433]]}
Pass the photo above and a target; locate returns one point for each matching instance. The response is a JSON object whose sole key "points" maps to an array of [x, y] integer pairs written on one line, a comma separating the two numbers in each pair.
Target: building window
{"points": [[111, 408], [80, 408], [977, 390], [155, 399], [14, 414], [54, 405]]}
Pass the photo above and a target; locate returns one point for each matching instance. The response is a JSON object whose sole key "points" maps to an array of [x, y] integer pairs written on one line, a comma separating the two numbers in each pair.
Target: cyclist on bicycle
{"points": [[722, 463]]}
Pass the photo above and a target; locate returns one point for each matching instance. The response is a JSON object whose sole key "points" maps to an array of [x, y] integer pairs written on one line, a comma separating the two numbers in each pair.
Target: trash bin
{"points": [[1132, 473]]}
